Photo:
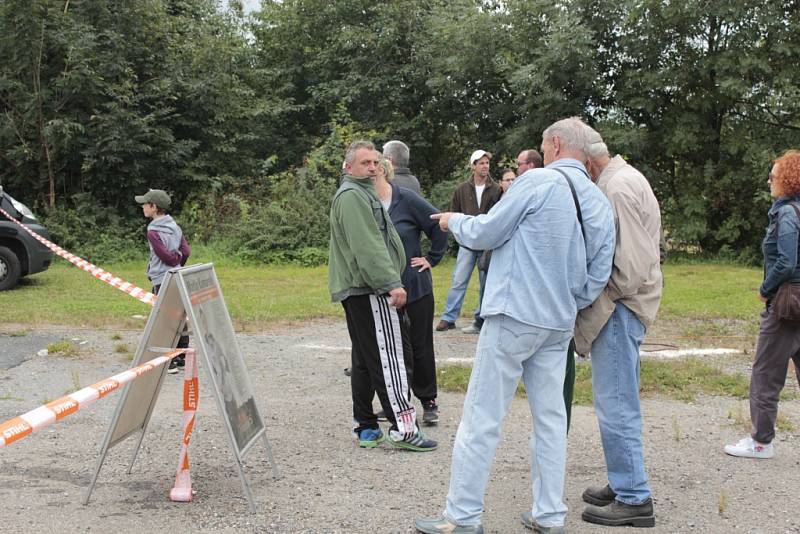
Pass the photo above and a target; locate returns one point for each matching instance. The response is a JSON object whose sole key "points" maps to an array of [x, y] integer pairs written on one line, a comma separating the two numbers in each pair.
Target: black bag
{"points": [[787, 300]]}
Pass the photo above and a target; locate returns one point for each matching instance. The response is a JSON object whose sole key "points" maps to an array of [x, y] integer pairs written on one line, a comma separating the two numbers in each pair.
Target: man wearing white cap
{"points": [[473, 197]]}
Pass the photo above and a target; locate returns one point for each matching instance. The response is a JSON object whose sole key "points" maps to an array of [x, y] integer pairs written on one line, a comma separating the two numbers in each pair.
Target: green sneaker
{"points": [[369, 438], [417, 443], [440, 525]]}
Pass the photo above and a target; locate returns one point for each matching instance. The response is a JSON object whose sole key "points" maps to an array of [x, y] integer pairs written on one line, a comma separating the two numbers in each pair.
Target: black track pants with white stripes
{"points": [[381, 362]]}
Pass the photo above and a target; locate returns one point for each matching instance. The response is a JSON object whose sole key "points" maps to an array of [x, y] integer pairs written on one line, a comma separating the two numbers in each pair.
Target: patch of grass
{"points": [[75, 375], [120, 348], [260, 294], [453, 377], [752, 328], [256, 295], [64, 348], [682, 379], [711, 290], [740, 418], [783, 423], [707, 329], [18, 333], [677, 432], [116, 337], [583, 384]]}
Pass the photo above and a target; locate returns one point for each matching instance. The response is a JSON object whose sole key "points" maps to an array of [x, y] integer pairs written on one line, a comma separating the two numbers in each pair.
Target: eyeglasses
{"points": [[521, 163]]}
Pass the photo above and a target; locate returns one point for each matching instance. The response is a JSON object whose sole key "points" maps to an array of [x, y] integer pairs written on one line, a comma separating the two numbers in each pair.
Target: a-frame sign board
{"points": [[191, 293]]}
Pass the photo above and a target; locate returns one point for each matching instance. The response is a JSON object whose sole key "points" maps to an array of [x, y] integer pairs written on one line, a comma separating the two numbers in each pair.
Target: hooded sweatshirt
{"points": [[168, 248]]}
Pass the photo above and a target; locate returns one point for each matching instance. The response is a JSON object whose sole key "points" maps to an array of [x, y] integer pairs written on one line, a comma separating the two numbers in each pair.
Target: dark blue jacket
{"points": [[411, 216], [780, 246]]}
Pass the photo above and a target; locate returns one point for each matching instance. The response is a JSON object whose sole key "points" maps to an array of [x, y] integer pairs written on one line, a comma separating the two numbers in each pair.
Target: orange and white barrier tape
{"points": [[182, 490], [19, 427], [94, 270]]}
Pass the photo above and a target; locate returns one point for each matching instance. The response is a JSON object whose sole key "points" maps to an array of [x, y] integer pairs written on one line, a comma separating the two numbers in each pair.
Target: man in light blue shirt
{"points": [[543, 270]]}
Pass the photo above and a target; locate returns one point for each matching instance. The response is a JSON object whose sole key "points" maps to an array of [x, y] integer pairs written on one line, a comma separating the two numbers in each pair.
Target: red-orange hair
{"points": [[788, 173]]}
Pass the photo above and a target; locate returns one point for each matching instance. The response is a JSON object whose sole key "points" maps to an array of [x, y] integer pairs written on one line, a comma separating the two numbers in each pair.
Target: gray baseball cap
{"points": [[159, 197]]}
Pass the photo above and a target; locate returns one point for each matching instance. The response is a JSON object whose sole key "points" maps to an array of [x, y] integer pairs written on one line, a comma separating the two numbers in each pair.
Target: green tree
{"points": [[702, 99], [108, 98]]}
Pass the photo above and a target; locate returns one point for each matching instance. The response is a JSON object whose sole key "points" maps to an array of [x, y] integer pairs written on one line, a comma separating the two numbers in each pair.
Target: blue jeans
{"points": [[615, 381], [507, 351], [465, 263]]}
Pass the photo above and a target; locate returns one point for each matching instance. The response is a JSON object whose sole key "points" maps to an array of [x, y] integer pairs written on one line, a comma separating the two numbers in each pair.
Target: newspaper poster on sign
{"points": [[213, 333]]}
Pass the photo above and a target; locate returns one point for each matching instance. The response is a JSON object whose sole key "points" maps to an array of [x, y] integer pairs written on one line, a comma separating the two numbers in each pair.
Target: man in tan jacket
{"points": [[612, 330]]}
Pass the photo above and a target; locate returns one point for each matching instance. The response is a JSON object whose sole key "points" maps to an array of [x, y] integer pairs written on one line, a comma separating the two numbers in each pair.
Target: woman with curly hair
{"points": [[778, 341]]}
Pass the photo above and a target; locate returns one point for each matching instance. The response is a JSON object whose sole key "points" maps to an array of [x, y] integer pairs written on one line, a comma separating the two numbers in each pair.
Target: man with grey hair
{"points": [[398, 153], [555, 226], [365, 263], [612, 329]]}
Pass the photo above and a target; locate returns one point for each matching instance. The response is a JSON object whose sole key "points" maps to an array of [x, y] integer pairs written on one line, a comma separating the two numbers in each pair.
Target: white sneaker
{"points": [[749, 448], [471, 329]]}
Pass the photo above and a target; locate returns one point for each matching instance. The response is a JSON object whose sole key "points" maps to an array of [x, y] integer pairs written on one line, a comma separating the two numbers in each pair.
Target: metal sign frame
{"points": [[214, 336], [162, 332]]}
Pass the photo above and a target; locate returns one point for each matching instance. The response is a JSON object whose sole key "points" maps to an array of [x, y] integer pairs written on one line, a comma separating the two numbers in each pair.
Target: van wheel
{"points": [[9, 269]]}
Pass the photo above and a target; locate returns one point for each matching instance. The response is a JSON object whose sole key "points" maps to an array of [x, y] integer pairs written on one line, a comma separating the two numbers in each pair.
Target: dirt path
{"points": [[330, 485]]}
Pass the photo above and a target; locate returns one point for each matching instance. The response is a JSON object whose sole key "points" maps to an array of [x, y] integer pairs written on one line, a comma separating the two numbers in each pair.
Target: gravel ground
{"points": [[328, 484]]}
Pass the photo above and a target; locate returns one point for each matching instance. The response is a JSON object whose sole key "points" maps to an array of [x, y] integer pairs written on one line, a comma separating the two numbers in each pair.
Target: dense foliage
{"points": [[244, 117]]}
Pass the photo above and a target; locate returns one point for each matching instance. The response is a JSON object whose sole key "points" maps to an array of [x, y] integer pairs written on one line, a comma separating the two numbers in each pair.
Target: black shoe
{"points": [[347, 371], [599, 496], [173, 366], [430, 413], [619, 514], [381, 415]]}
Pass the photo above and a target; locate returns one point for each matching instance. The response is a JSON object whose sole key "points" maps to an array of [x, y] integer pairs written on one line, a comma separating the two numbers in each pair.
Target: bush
{"points": [[98, 234], [295, 219], [276, 218]]}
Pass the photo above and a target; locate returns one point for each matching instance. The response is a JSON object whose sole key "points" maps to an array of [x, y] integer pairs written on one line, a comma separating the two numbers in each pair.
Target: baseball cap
{"points": [[478, 154], [159, 197]]}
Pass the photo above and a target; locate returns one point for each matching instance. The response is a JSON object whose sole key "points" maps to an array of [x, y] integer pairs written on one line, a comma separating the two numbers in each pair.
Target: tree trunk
{"points": [[45, 145]]}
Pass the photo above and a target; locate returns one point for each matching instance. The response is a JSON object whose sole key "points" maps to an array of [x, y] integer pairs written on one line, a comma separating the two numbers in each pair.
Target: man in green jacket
{"points": [[364, 265]]}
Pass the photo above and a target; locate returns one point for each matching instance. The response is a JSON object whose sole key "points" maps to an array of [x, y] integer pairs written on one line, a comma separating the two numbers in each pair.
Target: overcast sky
{"points": [[251, 5]]}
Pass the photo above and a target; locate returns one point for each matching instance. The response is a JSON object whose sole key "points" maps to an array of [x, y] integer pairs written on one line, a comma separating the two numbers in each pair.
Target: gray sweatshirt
{"points": [[166, 251]]}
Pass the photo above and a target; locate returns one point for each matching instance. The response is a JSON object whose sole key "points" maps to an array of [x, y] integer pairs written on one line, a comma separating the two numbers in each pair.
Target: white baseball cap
{"points": [[478, 154]]}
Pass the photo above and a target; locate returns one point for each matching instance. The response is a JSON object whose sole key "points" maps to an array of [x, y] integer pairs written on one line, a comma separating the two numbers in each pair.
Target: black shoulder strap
{"points": [[575, 199]]}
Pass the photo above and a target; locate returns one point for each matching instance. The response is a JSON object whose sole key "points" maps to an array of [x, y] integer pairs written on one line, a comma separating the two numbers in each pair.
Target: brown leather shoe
{"points": [[445, 325]]}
